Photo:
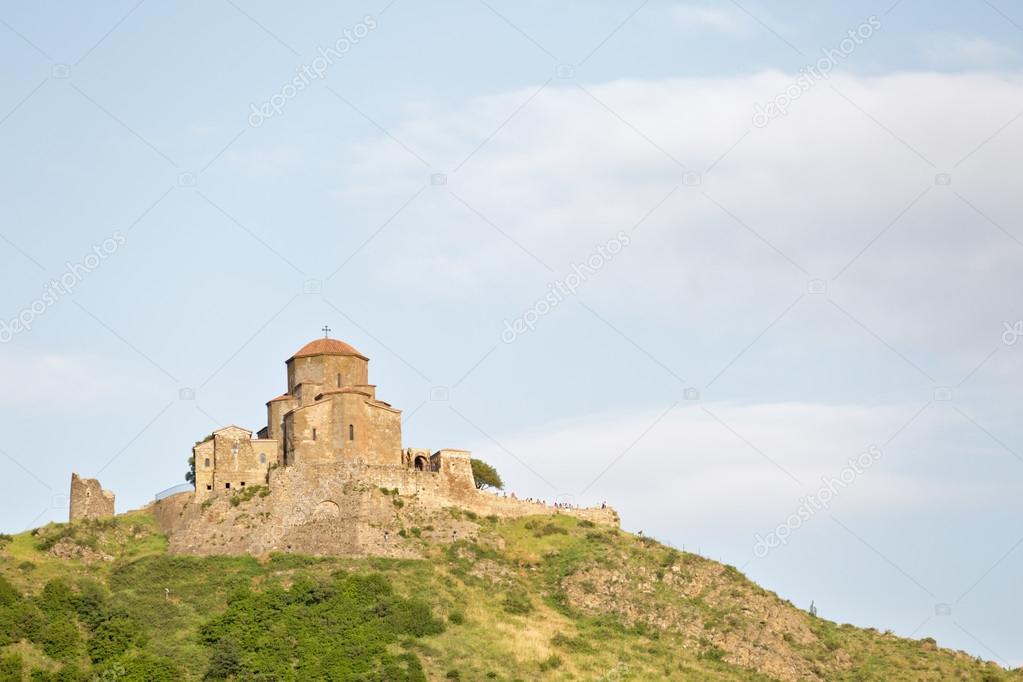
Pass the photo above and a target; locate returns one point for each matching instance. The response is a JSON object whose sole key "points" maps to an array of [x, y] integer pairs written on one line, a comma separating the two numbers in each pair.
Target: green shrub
{"points": [[246, 494], [574, 644], [225, 660], [146, 667], [549, 529], [61, 640], [57, 598], [412, 617], [113, 637], [11, 668], [9, 594], [711, 652], [550, 663], [517, 602], [456, 617]]}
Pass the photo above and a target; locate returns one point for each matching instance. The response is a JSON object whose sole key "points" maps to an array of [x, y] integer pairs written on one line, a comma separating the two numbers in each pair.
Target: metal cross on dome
{"points": [[326, 331]]}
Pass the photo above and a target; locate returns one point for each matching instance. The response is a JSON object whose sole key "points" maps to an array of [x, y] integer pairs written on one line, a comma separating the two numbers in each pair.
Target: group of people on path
{"points": [[556, 505]]}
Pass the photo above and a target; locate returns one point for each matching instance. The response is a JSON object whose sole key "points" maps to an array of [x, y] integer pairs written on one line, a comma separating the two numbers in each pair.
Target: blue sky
{"points": [[796, 289]]}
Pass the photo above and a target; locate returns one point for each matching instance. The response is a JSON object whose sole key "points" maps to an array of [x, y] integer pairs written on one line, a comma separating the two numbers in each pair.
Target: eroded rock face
{"points": [[759, 632], [67, 548]]}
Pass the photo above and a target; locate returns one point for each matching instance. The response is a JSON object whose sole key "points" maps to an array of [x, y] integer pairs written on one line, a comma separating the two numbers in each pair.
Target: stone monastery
{"points": [[329, 415], [326, 475]]}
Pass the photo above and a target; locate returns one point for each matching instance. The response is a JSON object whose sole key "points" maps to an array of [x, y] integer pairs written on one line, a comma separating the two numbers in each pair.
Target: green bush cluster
{"points": [[246, 494], [342, 629], [80, 627]]}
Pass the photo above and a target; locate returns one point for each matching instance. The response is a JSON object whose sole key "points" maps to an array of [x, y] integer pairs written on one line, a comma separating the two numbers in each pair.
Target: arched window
{"points": [[262, 459], [314, 434], [351, 432], [339, 381], [206, 463]]}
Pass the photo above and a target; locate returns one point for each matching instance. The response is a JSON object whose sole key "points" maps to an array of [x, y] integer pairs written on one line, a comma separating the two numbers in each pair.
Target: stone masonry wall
{"points": [[343, 509], [89, 500]]}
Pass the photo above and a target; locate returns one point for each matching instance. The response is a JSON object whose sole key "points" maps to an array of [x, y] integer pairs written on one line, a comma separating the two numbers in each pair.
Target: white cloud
{"points": [[729, 465], [852, 168]]}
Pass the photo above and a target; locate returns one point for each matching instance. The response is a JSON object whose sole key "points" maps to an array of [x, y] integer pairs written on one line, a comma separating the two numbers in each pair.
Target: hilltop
{"points": [[542, 597]]}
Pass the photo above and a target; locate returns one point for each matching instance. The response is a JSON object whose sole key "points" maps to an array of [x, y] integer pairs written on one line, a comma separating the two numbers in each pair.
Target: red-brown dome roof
{"points": [[327, 347]]}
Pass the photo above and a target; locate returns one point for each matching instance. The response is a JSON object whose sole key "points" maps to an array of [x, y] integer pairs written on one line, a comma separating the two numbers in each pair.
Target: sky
{"points": [[747, 271]]}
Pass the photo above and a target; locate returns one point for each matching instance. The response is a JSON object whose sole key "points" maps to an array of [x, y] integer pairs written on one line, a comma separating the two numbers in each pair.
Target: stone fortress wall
{"points": [[354, 509]]}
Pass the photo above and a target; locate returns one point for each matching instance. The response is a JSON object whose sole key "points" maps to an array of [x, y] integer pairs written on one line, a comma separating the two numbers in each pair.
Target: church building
{"points": [[329, 414]]}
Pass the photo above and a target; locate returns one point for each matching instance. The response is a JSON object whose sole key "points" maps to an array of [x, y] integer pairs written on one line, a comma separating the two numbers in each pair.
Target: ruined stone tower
{"points": [[89, 500]]}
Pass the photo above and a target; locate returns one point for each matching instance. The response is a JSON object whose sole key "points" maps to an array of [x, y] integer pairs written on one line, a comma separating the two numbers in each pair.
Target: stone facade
{"points": [[89, 500], [330, 415], [230, 458]]}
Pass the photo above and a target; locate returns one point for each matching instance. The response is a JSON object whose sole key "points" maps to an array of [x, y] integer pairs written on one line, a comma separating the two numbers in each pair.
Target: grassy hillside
{"points": [[541, 598]]}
